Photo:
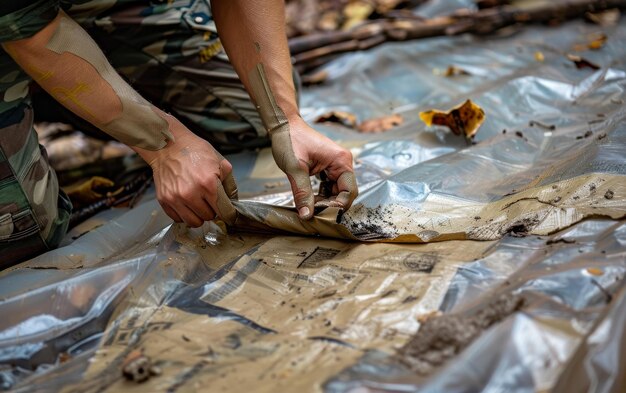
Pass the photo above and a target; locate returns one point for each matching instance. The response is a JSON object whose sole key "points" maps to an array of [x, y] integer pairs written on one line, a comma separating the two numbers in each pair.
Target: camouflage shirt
{"points": [[25, 18]]}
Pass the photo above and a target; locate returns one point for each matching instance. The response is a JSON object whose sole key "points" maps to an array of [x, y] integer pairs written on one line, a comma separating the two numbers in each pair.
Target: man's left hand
{"points": [[315, 153]]}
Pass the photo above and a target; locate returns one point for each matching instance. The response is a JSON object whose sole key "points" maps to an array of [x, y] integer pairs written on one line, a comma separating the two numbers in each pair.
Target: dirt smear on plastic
{"points": [[443, 337]]}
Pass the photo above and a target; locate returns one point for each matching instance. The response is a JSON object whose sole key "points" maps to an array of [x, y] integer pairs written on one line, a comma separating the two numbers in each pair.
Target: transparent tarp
{"points": [[443, 234]]}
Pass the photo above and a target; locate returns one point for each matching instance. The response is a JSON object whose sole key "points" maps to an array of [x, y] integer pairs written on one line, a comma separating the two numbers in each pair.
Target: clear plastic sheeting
{"points": [[243, 308], [567, 286]]}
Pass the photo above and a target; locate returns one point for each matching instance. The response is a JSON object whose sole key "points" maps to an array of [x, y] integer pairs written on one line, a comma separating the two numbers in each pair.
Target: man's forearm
{"points": [[253, 33], [70, 66]]}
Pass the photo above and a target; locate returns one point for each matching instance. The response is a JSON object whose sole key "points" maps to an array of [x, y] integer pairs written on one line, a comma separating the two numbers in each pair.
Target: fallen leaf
{"points": [[604, 18], [346, 118], [595, 271], [451, 71], [539, 57], [356, 12], [380, 124], [464, 119], [428, 315], [315, 78], [594, 42], [581, 62], [597, 41], [329, 21], [64, 357], [89, 191], [384, 6]]}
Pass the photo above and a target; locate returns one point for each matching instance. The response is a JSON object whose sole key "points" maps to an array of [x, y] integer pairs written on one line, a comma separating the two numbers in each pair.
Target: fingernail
{"points": [[304, 212]]}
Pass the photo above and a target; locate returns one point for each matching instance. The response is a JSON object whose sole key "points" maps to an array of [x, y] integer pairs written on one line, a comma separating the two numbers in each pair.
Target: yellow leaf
{"points": [[597, 41], [464, 119], [595, 271]]}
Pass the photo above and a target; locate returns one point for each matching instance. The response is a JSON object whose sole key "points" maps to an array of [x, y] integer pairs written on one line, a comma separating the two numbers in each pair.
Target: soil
{"points": [[609, 194], [370, 223], [441, 338], [520, 228]]}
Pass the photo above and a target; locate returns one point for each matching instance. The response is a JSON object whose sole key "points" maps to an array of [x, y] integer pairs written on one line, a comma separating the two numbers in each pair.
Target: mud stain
{"points": [[441, 338]]}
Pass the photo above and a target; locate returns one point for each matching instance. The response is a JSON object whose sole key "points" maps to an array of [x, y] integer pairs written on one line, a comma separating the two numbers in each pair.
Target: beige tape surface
{"points": [[536, 211], [320, 305]]}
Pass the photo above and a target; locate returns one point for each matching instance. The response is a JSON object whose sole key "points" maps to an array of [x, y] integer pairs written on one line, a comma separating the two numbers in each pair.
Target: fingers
{"points": [[171, 212], [189, 217], [181, 213], [348, 189], [302, 193], [225, 208], [228, 180]]}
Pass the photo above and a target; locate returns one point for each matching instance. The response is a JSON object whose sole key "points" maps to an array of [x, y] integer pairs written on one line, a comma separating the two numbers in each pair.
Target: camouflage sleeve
{"points": [[25, 18]]}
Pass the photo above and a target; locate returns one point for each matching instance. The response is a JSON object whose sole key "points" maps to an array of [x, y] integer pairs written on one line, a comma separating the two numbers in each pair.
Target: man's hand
{"points": [[189, 175], [314, 154]]}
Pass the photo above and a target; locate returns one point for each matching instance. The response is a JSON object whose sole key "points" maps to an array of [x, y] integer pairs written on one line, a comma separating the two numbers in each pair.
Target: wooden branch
{"points": [[308, 50]]}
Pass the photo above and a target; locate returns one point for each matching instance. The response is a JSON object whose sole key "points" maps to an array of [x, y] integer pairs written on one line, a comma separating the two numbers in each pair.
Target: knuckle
{"points": [[194, 222], [227, 167], [186, 194], [210, 183], [166, 200], [300, 196], [345, 155]]}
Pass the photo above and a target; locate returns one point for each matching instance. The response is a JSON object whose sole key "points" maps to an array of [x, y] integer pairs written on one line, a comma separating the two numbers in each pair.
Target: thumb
{"points": [[302, 193], [225, 208]]}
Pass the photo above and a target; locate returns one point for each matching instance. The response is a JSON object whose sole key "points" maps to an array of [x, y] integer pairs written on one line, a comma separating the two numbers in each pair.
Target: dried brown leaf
{"points": [[464, 119], [581, 62], [604, 18], [380, 124], [315, 78], [451, 70], [346, 118]]}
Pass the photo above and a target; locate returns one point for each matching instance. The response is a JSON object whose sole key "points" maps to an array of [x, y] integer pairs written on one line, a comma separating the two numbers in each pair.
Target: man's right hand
{"points": [[187, 174]]}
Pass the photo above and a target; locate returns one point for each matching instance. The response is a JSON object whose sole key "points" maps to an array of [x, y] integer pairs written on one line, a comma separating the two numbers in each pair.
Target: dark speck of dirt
{"points": [[557, 199], [520, 228], [535, 123], [388, 293], [560, 240], [601, 136], [409, 299], [477, 218], [441, 338], [519, 134], [609, 194], [588, 134], [592, 188], [504, 131]]}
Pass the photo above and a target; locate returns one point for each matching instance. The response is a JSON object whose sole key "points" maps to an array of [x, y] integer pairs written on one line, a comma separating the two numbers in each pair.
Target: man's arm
{"points": [[253, 35], [68, 64]]}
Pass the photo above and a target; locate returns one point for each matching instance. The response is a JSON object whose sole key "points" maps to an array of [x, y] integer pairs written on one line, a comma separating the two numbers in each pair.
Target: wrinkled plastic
{"points": [[261, 312]]}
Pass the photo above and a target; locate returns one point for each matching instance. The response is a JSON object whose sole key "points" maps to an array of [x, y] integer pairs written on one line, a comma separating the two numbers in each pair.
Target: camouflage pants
{"points": [[174, 59], [34, 212]]}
